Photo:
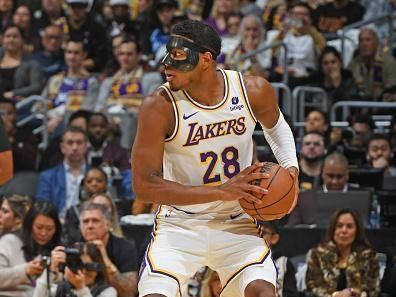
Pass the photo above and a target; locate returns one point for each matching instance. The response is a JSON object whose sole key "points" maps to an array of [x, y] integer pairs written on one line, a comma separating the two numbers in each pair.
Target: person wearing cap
{"points": [[121, 22], [165, 11], [51, 13], [82, 26]]}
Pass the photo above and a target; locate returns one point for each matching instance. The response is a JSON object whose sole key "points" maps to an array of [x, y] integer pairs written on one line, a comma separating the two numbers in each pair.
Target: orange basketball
{"points": [[280, 197]]}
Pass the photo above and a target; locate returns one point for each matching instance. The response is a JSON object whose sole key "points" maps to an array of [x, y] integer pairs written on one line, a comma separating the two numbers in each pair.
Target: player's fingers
{"points": [[255, 189], [252, 168], [251, 198], [256, 176]]}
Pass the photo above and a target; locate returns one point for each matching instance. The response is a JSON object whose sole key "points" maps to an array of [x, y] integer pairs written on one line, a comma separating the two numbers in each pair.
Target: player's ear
{"points": [[207, 59]]}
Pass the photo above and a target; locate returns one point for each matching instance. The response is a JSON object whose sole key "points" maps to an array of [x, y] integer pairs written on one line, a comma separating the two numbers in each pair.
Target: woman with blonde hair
{"points": [[12, 211]]}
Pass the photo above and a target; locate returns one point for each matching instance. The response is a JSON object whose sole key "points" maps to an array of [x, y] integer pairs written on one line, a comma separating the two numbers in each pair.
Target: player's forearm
{"points": [[157, 190], [124, 283]]}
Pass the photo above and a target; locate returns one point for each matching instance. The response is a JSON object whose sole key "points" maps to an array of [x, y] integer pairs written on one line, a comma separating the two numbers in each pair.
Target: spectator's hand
{"points": [[101, 247], [76, 279], [8, 95], [58, 256], [380, 163], [34, 268]]}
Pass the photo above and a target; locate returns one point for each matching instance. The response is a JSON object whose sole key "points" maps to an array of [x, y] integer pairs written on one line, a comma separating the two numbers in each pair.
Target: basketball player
{"points": [[6, 163], [192, 156]]}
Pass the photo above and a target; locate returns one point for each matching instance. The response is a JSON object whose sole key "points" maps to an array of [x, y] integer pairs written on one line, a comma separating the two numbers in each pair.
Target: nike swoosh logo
{"points": [[186, 117], [236, 215]]}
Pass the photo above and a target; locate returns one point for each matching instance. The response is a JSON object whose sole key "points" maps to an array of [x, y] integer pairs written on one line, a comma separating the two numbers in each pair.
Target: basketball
{"points": [[280, 197]]}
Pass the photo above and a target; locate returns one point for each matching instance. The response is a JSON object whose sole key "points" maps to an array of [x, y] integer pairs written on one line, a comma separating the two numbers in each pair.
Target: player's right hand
{"points": [[240, 186]]}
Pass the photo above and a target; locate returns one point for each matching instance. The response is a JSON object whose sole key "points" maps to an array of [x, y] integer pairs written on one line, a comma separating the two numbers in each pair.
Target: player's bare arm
{"points": [[124, 283], [156, 122]]}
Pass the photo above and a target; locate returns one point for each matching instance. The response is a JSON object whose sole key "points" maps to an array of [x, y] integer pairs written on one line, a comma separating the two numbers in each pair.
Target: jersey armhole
{"points": [[245, 97], [175, 113]]}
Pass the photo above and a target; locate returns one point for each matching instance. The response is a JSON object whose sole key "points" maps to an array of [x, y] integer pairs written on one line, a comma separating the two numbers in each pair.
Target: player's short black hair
{"points": [[201, 34]]}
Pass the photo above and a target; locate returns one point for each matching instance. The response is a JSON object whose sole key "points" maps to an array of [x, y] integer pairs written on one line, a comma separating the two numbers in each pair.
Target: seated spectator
{"points": [[335, 174], [21, 255], [6, 10], [286, 281], [338, 83], [51, 58], [380, 154], [24, 143], [251, 34], [13, 209], [23, 19], [121, 22], [392, 131], [311, 160], [72, 89], [119, 255], [344, 264], [130, 83], [112, 64], [204, 283], [333, 16], [363, 128], [110, 155], [53, 154], [20, 76], [6, 164], [87, 281], [165, 11], [94, 182], [60, 184], [317, 121], [373, 69], [83, 26], [230, 41], [51, 13], [303, 43], [220, 11]]}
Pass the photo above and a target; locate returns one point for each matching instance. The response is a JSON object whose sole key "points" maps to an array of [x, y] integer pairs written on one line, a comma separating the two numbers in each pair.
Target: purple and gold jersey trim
{"points": [[245, 97], [175, 111]]}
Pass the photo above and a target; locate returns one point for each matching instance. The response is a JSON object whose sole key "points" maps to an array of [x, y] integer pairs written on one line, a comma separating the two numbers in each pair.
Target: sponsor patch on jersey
{"points": [[236, 105]]}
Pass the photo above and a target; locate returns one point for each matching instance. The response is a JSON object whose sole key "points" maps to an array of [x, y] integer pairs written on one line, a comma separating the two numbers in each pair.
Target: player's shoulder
{"points": [[255, 83], [159, 100]]}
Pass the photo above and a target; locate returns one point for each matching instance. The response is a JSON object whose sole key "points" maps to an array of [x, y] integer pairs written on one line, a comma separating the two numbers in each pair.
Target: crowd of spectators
{"points": [[88, 64]]}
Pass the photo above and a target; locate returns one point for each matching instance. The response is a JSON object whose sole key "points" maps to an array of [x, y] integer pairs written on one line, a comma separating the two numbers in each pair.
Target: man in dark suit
{"points": [[61, 184]]}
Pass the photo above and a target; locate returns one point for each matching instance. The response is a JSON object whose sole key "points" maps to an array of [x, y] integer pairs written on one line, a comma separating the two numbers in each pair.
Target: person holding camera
{"points": [[119, 255], [22, 253], [83, 274]]}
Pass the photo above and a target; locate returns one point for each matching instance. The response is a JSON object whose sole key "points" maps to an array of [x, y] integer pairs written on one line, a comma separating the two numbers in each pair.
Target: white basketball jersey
{"points": [[210, 144]]}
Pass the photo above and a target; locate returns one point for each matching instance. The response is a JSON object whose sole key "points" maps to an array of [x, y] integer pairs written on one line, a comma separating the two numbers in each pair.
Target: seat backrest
{"points": [[23, 183]]}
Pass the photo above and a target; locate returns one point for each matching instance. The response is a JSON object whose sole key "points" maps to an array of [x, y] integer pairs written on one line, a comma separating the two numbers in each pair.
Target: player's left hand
{"points": [[294, 173]]}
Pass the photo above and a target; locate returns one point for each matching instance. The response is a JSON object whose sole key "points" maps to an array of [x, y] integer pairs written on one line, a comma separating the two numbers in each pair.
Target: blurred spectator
{"points": [[344, 264], [338, 82], [145, 25], [380, 154], [51, 13], [335, 173], [87, 281], [60, 184], [286, 281], [23, 142], [13, 209], [121, 22], [112, 64], [53, 154], [21, 254], [204, 283], [165, 11], [333, 16], [110, 155], [119, 255], [363, 128], [6, 164], [51, 58], [20, 76], [388, 282], [311, 160], [23, 19], [220, 11], [230, 41], [72, 89], [83, 27], [373, 69], [317, 121], [302, 40], [6, 11], [252, 37], [392, 131], [274, 15], [94, 182], [131, 81]]}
